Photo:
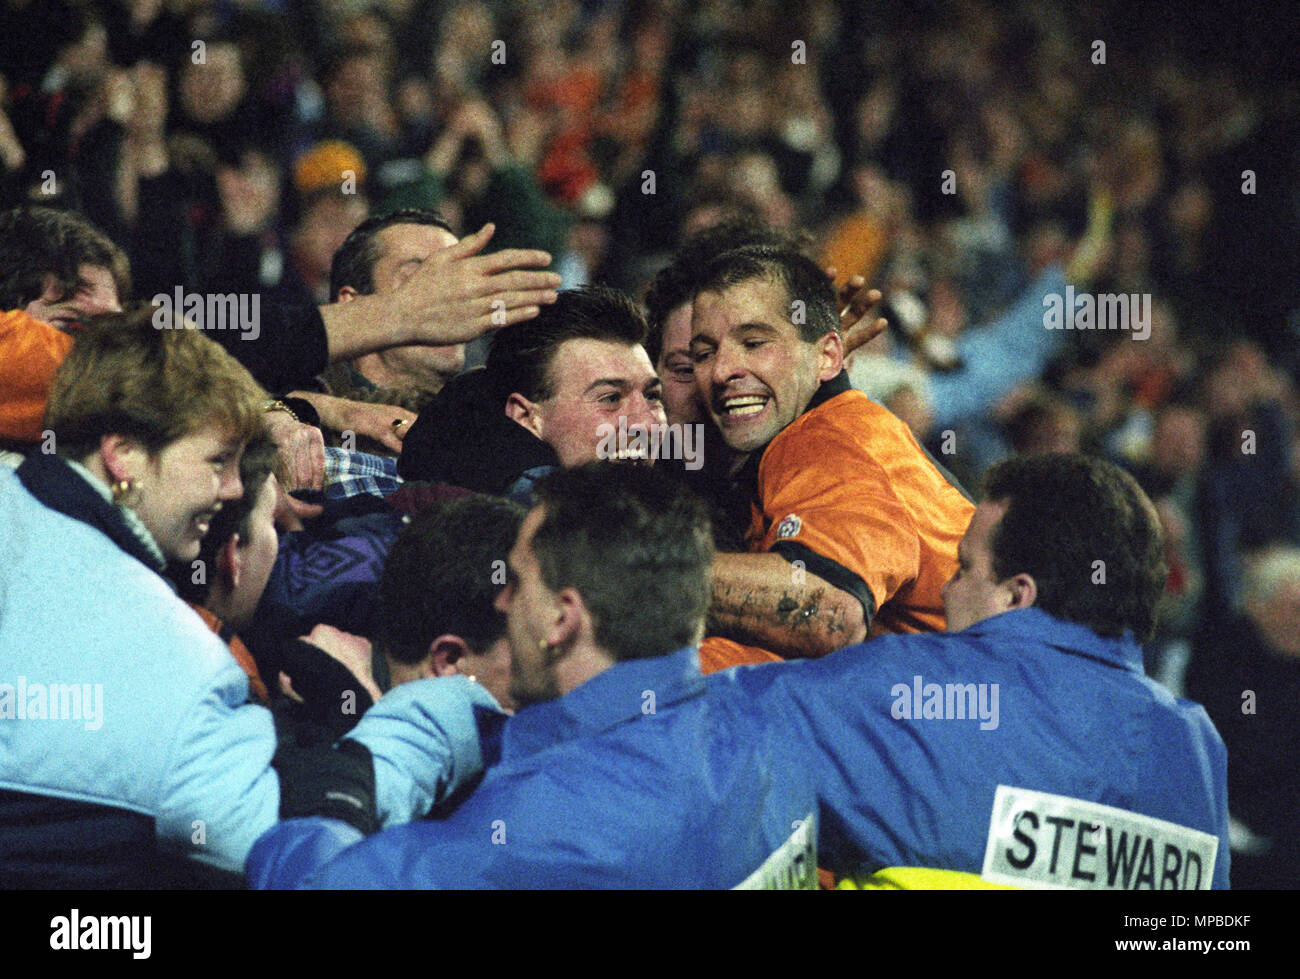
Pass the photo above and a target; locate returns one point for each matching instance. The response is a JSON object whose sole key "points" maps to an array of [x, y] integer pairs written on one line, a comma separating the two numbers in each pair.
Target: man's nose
{"points": [[727, 367], [231, 488], [644, 412]]}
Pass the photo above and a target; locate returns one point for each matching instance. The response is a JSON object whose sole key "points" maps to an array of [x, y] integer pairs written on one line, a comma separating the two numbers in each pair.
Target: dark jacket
{"points": [[464, 438]]}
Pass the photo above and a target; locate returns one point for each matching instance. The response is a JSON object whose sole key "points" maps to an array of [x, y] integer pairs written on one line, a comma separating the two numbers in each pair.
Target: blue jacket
{"points": [[1050, 709], [648, 775], [1106, 779], [125, 728]]}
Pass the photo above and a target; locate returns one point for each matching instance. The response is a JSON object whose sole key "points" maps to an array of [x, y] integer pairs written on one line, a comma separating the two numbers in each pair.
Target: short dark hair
{"points": [[519, 359], [441, 577], [354, 263], [38, 242], [636, 546], [1067, 512], [800, 276], [261, 458], [678, 282]]}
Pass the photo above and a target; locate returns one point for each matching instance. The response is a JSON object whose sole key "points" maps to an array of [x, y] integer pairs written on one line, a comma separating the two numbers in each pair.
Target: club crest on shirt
{"points": [[789, 527]]}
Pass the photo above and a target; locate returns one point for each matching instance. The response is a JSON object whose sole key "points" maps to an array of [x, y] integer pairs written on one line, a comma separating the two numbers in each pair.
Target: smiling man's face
{"points": [[754, 373], [596, 383], [681, 396]]}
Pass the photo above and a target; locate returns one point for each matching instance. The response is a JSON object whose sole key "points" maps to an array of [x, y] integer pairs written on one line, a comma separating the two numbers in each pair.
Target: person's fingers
{"points": [[286, 688], [520, 281], [292, 466], [303, 511], [859, 302], [863, 333], [302, 459], [513, 316], [393, 432], [390, 439], [512, 258], [467, 246], [831, 271], [523, 297], [851, 288], [320, 634]]}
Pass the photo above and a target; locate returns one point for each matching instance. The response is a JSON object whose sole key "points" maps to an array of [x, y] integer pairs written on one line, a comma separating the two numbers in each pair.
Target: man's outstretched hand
{"points": [[455, 296]]}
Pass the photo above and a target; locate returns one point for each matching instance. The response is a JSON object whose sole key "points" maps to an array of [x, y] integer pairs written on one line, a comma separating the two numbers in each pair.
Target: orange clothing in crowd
{"points": [[717, 654], [846, 489], [30, 353], [856, 246], [256, 688]]}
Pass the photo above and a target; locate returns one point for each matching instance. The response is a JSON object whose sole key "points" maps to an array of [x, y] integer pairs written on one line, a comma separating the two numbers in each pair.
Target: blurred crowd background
{"points": [[949, 152]]}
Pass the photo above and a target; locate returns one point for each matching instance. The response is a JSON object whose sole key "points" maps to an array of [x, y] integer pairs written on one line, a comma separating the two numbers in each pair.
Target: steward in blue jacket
{"points": [[646, 776], [624, 766], [1025, 749]]}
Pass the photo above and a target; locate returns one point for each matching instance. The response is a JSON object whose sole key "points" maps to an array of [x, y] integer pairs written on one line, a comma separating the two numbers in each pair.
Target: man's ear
{"points": [[1022, 590], [570, 620], [525, 412], [830, 352], [229, 564], [124, 457], [445, 653], [347, 293]]}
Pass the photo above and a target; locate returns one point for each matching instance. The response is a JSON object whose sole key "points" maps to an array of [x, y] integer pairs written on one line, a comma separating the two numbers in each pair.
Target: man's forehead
{"points": [[983, 521], [524, 541], [677, 329], [582, 361], [754, 300], [400, 238]]}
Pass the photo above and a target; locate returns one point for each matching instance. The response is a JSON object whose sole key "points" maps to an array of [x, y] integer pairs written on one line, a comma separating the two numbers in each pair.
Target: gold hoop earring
{"points": [[120, 489]]}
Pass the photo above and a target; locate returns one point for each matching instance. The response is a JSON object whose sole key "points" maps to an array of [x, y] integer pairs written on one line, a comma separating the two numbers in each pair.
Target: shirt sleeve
{"points": [[219, 792], [424, 739], [829, 505], [999, 355], [285, 351]]}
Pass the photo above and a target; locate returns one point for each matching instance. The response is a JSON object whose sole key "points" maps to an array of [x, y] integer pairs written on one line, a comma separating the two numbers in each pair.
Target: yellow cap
{"points": [[328, 165]]}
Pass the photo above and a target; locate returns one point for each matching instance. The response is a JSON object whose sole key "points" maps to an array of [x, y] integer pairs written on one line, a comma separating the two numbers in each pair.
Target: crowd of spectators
{"points": [[965, 158]]}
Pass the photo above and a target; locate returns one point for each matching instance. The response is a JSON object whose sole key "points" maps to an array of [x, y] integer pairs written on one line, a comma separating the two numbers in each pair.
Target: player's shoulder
{"points": [[849, 418], [848, 434]]}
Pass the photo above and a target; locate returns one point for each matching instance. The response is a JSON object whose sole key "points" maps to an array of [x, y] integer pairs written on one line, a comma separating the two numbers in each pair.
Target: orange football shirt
{"points": [[846, 489]]}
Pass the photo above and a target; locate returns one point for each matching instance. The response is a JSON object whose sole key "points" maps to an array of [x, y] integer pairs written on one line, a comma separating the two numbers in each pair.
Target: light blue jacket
{"points": [[647, 776], [150, 714]]}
